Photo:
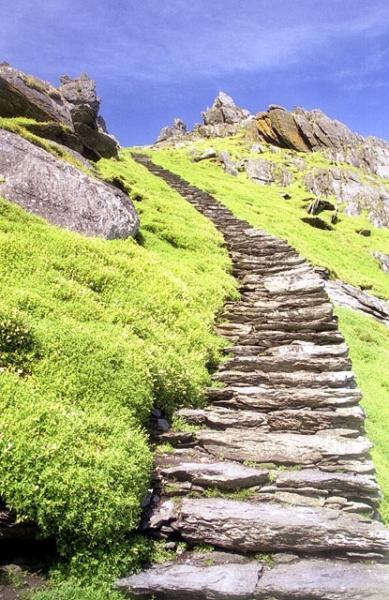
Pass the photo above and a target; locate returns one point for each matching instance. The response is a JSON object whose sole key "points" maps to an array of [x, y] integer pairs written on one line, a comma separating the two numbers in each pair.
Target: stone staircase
{"points": [[276, 477]]}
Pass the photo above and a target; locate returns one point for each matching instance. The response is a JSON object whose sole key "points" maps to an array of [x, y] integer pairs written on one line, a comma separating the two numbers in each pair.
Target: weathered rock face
{"points": [[347, 187], [74, 104], [223, 118], [383, 260], [22, 95], [60, 193], [307, 131], [80, 94], [176, 131], [349, 296], [303, 130], [265, 172]]}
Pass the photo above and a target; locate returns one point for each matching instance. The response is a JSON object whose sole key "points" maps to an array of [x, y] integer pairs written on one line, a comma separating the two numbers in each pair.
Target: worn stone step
{"points": [[223, 475], [276, 398], [287, 364], [334, 484], [222, 576], [268, 527], [301, 420], [195, 576], [250, 314], [281, 448], [272, 338], [324, 580], [332, 379]]}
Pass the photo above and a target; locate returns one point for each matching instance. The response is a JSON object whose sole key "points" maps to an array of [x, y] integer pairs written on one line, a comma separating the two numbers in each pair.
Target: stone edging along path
{"points": [[278, 478]]}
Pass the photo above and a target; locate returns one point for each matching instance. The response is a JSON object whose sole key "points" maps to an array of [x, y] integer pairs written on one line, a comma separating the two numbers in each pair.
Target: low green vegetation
{"points": [[39, 134], [93, 334], [346, 254], [369, 351]]}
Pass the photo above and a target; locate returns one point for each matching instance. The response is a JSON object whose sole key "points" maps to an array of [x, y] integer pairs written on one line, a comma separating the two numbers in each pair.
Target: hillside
{"points": [[122, 326]]}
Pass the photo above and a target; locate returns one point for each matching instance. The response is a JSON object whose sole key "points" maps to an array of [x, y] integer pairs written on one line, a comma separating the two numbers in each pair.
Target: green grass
{"points": [[369, 350], [93, 333], [345, 253], [37, 132]]}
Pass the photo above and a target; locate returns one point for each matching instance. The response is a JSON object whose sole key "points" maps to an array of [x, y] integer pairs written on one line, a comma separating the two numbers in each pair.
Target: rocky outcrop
{"points": [[177, 131], [383, 260], [347, 187], [307, 131], [224, 118], [303, 130], [266, 172], [60, 193], [352, 297], [278, 462], [23, 95], [72, 109]]}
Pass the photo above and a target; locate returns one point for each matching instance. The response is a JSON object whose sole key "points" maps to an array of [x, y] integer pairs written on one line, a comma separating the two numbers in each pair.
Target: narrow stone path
{"points": [[277, 478]]}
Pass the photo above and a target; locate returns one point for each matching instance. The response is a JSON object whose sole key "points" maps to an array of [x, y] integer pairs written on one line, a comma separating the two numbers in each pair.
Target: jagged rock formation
{"points": [[60, 193], [284, 431], [176, 131], [349, 296], [302, 130], [224, 118], [347, 187], [308, 131], [266, 172], [80, 94], [74, 105]]}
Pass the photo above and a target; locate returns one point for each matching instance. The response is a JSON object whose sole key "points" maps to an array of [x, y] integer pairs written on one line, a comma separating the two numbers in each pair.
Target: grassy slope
{"points": [[93, 333], [343, 251]]}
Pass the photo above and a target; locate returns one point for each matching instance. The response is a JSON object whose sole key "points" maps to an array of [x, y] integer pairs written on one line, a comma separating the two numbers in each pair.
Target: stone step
{"points": [[196, 576], [223, 475], [302, 420], [223, 576], [271, 338], [305, 379], [277, 398], [288, 364], [269, 527], [281, 448]]}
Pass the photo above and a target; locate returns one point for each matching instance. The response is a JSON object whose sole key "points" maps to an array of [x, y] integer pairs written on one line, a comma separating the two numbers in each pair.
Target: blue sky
{"points": [[157, 59]]}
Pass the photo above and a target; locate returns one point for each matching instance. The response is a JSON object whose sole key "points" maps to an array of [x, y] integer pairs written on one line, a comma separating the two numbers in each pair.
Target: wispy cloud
{"points": [[177, 40]]}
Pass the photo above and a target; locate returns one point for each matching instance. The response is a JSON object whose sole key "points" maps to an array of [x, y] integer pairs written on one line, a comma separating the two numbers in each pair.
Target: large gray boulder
{"points": [[60, 193]]}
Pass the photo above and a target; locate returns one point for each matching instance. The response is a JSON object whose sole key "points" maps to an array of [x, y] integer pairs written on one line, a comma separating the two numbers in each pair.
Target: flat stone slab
{"points": [[324, 580], [307, 421], [272, 398], [213, 576], [306, 282], [224, 475], [280, 448], [269, 527]]}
